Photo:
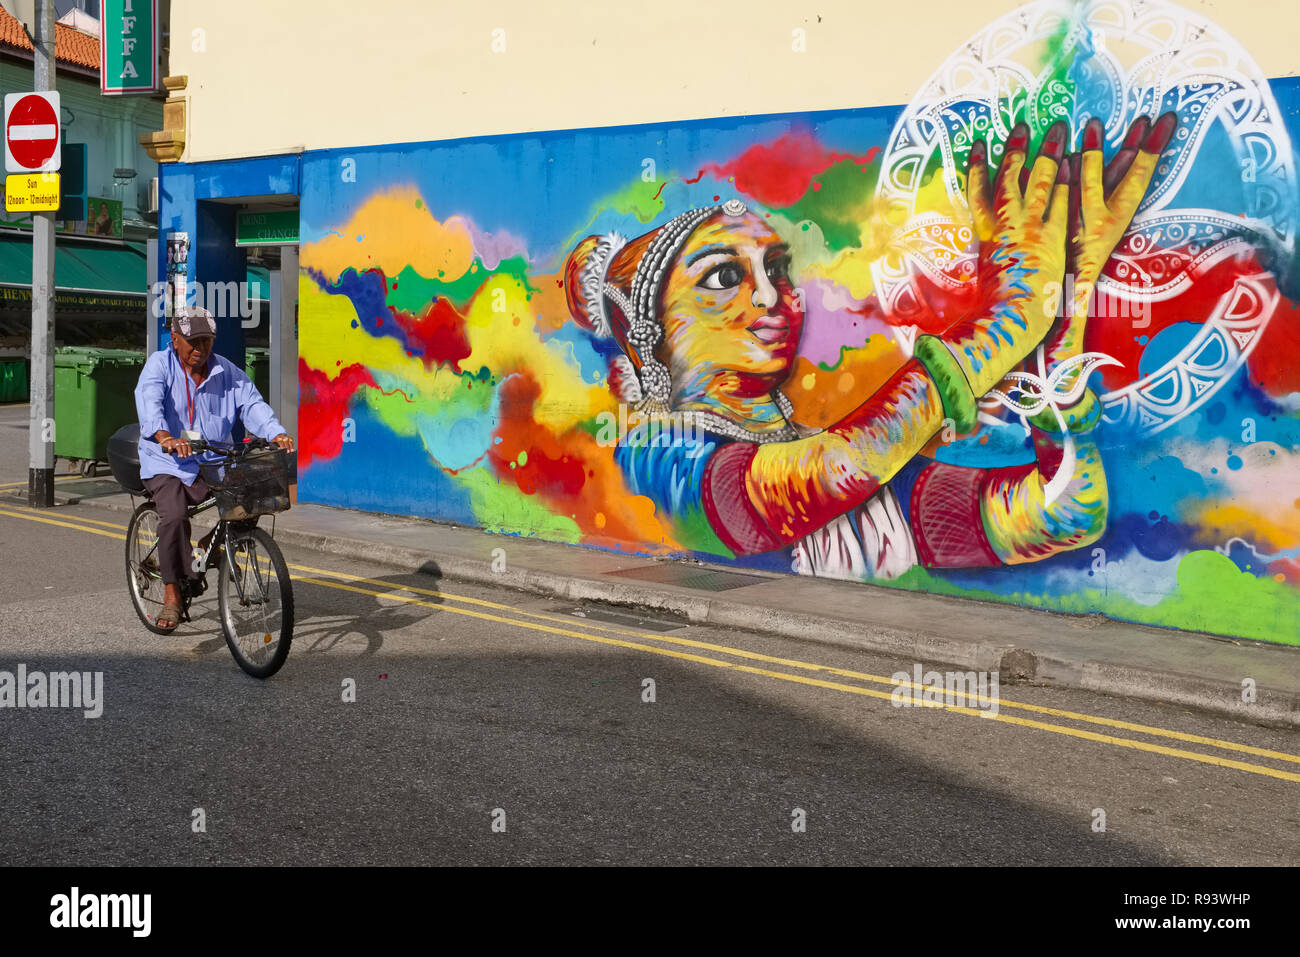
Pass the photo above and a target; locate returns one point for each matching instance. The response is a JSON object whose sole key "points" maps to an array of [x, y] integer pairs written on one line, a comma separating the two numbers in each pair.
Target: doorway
{"points": [[272, 344]]}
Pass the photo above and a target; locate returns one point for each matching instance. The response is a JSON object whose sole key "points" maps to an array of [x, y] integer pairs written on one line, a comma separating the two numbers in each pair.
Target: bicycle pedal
{"points": [[193, 587]]}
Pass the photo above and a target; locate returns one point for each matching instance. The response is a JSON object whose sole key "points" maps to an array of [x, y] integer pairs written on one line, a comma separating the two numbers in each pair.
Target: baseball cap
{"points": [[194, 322]]}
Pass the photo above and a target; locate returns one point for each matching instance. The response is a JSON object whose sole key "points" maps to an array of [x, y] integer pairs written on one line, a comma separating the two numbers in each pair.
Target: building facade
{"points": [[670, 284], [100, 260]]}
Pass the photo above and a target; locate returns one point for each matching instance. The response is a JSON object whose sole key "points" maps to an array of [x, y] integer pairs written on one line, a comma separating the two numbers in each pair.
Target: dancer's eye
{"points": [[778, 268], [726, 276]]}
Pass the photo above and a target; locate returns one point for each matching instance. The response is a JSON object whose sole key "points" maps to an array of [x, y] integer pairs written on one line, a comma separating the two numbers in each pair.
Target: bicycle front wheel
{"points": [[255, 601]]}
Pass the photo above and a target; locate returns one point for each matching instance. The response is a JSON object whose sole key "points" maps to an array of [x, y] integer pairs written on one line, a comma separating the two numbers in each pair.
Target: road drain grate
{"points": [[626, 619], [705, 579], [90, 488]]}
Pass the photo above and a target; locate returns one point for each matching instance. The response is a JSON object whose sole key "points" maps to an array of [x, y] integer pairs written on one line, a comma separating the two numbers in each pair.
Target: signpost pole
{"points": [[40, 475]]}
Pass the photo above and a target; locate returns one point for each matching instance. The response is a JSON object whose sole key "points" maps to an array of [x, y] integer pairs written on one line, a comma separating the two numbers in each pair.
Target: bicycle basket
{"points": [[257, 484]]}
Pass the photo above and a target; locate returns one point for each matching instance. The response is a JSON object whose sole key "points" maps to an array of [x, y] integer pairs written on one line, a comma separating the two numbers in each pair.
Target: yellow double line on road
{"points": [[344, 581], [5, 486]]}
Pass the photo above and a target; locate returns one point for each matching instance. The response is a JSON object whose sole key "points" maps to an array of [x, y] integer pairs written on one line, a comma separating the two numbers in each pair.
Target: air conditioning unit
{"points": [[153, 195]]}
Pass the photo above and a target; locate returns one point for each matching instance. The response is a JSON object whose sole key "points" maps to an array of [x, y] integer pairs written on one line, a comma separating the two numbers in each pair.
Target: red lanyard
{"points": [[189, 400]]}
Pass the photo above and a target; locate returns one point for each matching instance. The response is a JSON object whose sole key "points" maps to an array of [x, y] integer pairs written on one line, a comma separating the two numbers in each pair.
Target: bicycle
{"points": [[254, 590]]}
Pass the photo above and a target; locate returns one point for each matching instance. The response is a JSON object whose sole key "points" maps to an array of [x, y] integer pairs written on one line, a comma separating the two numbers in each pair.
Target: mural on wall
{"points": [[1033, 339]]}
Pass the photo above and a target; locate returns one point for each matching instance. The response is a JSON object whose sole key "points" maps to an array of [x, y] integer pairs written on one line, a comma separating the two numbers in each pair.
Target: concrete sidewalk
{"points": [[1090, 652]]}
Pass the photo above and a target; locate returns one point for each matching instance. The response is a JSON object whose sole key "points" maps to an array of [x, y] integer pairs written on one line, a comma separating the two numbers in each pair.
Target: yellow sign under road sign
{"points": [[31, 192]]}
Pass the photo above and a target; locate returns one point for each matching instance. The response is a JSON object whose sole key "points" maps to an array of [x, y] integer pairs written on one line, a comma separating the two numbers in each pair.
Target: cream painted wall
{"points": [[276, 75]]}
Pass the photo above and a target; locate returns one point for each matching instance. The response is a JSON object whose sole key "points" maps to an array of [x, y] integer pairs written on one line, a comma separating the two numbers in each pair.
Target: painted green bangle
{"points": [[954, 389], [1083, 416]]}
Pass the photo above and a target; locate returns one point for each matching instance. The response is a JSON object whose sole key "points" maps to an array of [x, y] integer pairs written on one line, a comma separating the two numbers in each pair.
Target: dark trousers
{"points": [[173, 497]]}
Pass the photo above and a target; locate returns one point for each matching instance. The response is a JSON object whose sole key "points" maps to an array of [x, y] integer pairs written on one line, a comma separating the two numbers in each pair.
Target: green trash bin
{"points": [[94, 396], [257, 366], [13, 379]]}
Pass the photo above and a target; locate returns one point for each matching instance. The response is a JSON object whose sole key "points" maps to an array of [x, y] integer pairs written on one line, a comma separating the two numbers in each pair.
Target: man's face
{"points": [[193, 353]]}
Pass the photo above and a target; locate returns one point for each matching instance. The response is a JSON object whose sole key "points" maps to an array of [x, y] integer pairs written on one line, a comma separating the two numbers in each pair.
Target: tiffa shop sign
{"points": [[128, 46]]}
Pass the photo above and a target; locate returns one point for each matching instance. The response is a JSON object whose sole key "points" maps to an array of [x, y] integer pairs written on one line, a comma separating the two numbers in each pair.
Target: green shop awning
{"points": [[92, 277], [87, 276]]}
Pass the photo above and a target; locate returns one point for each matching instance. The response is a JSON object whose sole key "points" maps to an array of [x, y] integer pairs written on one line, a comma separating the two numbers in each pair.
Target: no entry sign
{"points": [[32, 132]]}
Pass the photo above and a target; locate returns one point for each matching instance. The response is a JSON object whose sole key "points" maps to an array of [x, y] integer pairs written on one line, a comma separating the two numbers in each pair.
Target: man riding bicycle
{"points": [[185, 393]]}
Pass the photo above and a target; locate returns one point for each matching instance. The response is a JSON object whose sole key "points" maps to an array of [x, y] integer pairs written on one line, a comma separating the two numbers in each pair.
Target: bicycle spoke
{"points": [[254, 614], [146, 577]]}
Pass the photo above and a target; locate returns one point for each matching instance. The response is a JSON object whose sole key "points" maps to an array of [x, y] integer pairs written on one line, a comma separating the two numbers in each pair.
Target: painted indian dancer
{"points": [[707, 324]]}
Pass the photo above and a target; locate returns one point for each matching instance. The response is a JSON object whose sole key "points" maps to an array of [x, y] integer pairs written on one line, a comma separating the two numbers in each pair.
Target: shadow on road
{"points": [[347, 621], [555, 736]]}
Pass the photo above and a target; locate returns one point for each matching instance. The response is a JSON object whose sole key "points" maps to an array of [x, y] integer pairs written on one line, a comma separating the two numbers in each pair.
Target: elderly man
{"points": [[187, 393]]}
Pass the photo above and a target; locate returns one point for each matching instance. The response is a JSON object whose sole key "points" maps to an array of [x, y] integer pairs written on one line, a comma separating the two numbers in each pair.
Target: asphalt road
{"points": [[524, 706]]}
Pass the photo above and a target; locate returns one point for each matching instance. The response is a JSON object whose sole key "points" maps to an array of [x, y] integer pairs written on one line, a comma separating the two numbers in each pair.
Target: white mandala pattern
{"points": [[1132, 57]]}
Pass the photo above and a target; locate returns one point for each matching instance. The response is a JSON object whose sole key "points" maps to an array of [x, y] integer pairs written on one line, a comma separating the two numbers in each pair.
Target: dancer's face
{"points": [[729, 303]]}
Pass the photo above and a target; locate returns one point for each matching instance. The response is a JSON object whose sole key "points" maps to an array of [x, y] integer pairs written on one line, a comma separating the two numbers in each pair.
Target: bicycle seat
{"points": [[124, 457]]}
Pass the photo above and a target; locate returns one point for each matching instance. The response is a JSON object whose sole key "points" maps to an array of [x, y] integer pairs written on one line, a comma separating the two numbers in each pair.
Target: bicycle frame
{"points": [[220, 538], [223, 534]]}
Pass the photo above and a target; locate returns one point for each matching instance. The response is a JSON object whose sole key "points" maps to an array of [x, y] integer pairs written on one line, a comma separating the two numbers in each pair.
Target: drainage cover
{"points": [[90, 488], [626, 619], [705, 579]]}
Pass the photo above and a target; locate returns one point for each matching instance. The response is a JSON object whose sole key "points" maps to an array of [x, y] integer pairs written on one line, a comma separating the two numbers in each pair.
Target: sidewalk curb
{"points": [[1014, 664]]}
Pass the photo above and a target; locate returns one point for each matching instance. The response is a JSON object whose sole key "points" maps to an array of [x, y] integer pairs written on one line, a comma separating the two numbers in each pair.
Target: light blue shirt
{"points": [[227, 395]]}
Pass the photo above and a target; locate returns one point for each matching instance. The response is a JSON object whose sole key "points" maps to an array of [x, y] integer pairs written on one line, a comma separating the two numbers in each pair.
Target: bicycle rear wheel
{"points": [[143, 573], [259, 625]]}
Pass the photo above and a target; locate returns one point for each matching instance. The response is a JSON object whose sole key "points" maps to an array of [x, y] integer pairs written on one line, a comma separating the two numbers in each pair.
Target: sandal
{"points": [[170, 613]]}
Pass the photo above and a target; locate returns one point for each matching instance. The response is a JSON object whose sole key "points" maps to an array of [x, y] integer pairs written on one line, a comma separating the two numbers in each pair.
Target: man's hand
{"points": [[178, 447], [284, 440]]}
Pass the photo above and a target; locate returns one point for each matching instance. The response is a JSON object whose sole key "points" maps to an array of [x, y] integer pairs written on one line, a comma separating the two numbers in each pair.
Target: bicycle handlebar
{"points": [[248, 445]]}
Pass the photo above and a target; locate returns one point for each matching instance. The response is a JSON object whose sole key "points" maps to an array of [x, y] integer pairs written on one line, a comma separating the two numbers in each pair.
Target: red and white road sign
{"points": [[32, 132]]}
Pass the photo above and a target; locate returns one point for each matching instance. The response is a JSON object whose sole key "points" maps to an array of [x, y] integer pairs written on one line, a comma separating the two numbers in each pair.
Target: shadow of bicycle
{"points": [[334, 615]]}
